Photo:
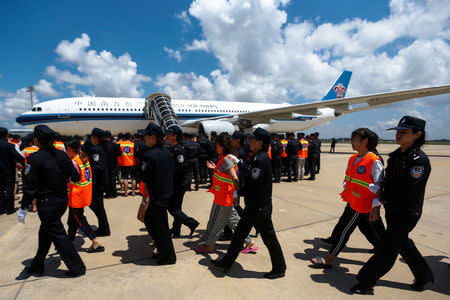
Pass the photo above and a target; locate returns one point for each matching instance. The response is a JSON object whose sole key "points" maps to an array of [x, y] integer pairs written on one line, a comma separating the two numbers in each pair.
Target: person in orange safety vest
{"points": [[302, 154], [127, 163], [363, 177], [80, 196]]}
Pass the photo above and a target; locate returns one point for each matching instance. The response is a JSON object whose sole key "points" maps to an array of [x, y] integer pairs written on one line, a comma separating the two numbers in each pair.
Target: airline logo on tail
{"points": [[339, 88]]}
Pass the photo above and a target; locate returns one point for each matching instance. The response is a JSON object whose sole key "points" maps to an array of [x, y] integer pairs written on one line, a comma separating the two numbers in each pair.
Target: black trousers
{"points": [[276, 168], [292, 167], [396, 241], [179, 217], [7, 194], [347, 224], [157, 224], [203, 170], [284, 165], [52, 230], [98, 207], [193, 166], [318, 162], [263, 224], [77, 220], [312, 168]]}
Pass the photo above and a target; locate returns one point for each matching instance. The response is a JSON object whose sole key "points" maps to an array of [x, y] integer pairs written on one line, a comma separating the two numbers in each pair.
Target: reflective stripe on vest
{"points": [[58, 145], [127, 159], [358, 177], [269, 152], [80, 193], [222, 186], [28, 151], [284, 144], [303, 152]]}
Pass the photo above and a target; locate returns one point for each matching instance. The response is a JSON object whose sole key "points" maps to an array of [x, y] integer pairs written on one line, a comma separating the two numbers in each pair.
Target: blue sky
{"points": [[277, 51]]}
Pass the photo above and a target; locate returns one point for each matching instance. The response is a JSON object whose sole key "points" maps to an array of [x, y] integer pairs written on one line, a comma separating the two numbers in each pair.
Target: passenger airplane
{"points": [[77, 116]]}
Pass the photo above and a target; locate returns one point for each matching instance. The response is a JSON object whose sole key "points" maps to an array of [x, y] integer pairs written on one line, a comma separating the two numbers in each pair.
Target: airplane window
{"points": [[103, 109], [89, 109], [85, 108], [80, 108], [34, 109], [39, 109]]}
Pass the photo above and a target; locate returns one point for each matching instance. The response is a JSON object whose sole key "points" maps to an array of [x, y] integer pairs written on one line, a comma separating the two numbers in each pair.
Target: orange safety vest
{"points": [[269, 152], [58, 145], [28, 151], [80, 193], [222, 186], [127, 158], [357, 180], [284, 144], [303, 152]]}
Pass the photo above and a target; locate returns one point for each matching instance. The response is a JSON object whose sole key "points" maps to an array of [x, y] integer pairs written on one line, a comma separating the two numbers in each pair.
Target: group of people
{"points": [[164, 163]]}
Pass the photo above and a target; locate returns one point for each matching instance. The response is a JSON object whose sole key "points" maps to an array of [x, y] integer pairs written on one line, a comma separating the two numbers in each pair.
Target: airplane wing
{"points": [[341, 106]]}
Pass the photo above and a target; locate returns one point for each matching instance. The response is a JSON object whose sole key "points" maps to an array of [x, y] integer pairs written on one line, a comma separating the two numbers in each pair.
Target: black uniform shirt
{"points": [[404, 184], [292, 147], [157, 172], [192, 149], [181, 169], [96, 156], [8, 157], [258, 188], [276, 149], [47, 174], [204, 149], [313, 149]]}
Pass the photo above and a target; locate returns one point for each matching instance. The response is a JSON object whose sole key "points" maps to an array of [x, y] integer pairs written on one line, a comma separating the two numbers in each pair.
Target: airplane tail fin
{"points": [[339, 88]]}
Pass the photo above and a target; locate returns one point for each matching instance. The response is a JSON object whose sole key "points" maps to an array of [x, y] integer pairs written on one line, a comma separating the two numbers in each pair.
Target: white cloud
{"points": [[14, 104], [198, 45], [173, 53], [45, 89], [107, 74], [259, 50], [183, 16]]}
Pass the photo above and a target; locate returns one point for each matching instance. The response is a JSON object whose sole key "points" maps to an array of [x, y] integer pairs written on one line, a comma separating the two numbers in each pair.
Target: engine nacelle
{"points": [[217, 126]]}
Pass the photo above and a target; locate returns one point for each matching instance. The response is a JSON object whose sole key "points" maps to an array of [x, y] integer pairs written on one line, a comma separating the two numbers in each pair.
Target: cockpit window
{"points": [[36, 109]]}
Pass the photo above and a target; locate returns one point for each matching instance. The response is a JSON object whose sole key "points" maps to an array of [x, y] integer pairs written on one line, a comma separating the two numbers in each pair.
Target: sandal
{"points": [[95, 250], [251, 250], [320, 263]]}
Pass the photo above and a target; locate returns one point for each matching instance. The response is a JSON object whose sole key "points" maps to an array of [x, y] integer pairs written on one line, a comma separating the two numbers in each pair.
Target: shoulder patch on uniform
{"points": [[417, 172], [361, 170], [180, 158], [416, 157], [255, 173], [27, 169], [96, 157]]}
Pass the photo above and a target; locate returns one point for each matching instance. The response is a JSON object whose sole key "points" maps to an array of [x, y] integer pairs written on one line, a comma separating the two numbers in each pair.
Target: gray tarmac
{"points": [[303, 212]]}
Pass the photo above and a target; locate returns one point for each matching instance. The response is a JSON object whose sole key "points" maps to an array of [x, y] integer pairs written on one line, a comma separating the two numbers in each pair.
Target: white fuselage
{"points": [[77, 116]]}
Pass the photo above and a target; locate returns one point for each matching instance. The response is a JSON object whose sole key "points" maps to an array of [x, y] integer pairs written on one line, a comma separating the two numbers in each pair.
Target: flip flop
{"points": [[250, 250], [320, 263], [201, 249], [98, 249]]}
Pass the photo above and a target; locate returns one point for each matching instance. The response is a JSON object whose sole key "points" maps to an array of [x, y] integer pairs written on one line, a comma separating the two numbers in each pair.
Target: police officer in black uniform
{"points": [[45, 178], [9, 160], [113, 153], [192, 151], [95, 149], [313, 156], [258, 209], [407, 172], [180, 183], [292, 148], [276, 149], [203, 156], [157, 173]]}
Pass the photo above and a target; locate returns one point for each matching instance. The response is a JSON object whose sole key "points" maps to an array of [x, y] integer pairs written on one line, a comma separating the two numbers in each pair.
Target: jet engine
{"points": [[217, 126]]}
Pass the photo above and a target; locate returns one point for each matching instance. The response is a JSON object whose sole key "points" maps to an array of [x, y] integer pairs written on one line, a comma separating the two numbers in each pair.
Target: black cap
{"points": [[408, 122], [97, 132], [261, 135], [3, 132], [152, 129], [43, 132], [239, 135], [108, 133], [28, 137], [175, 130]]}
